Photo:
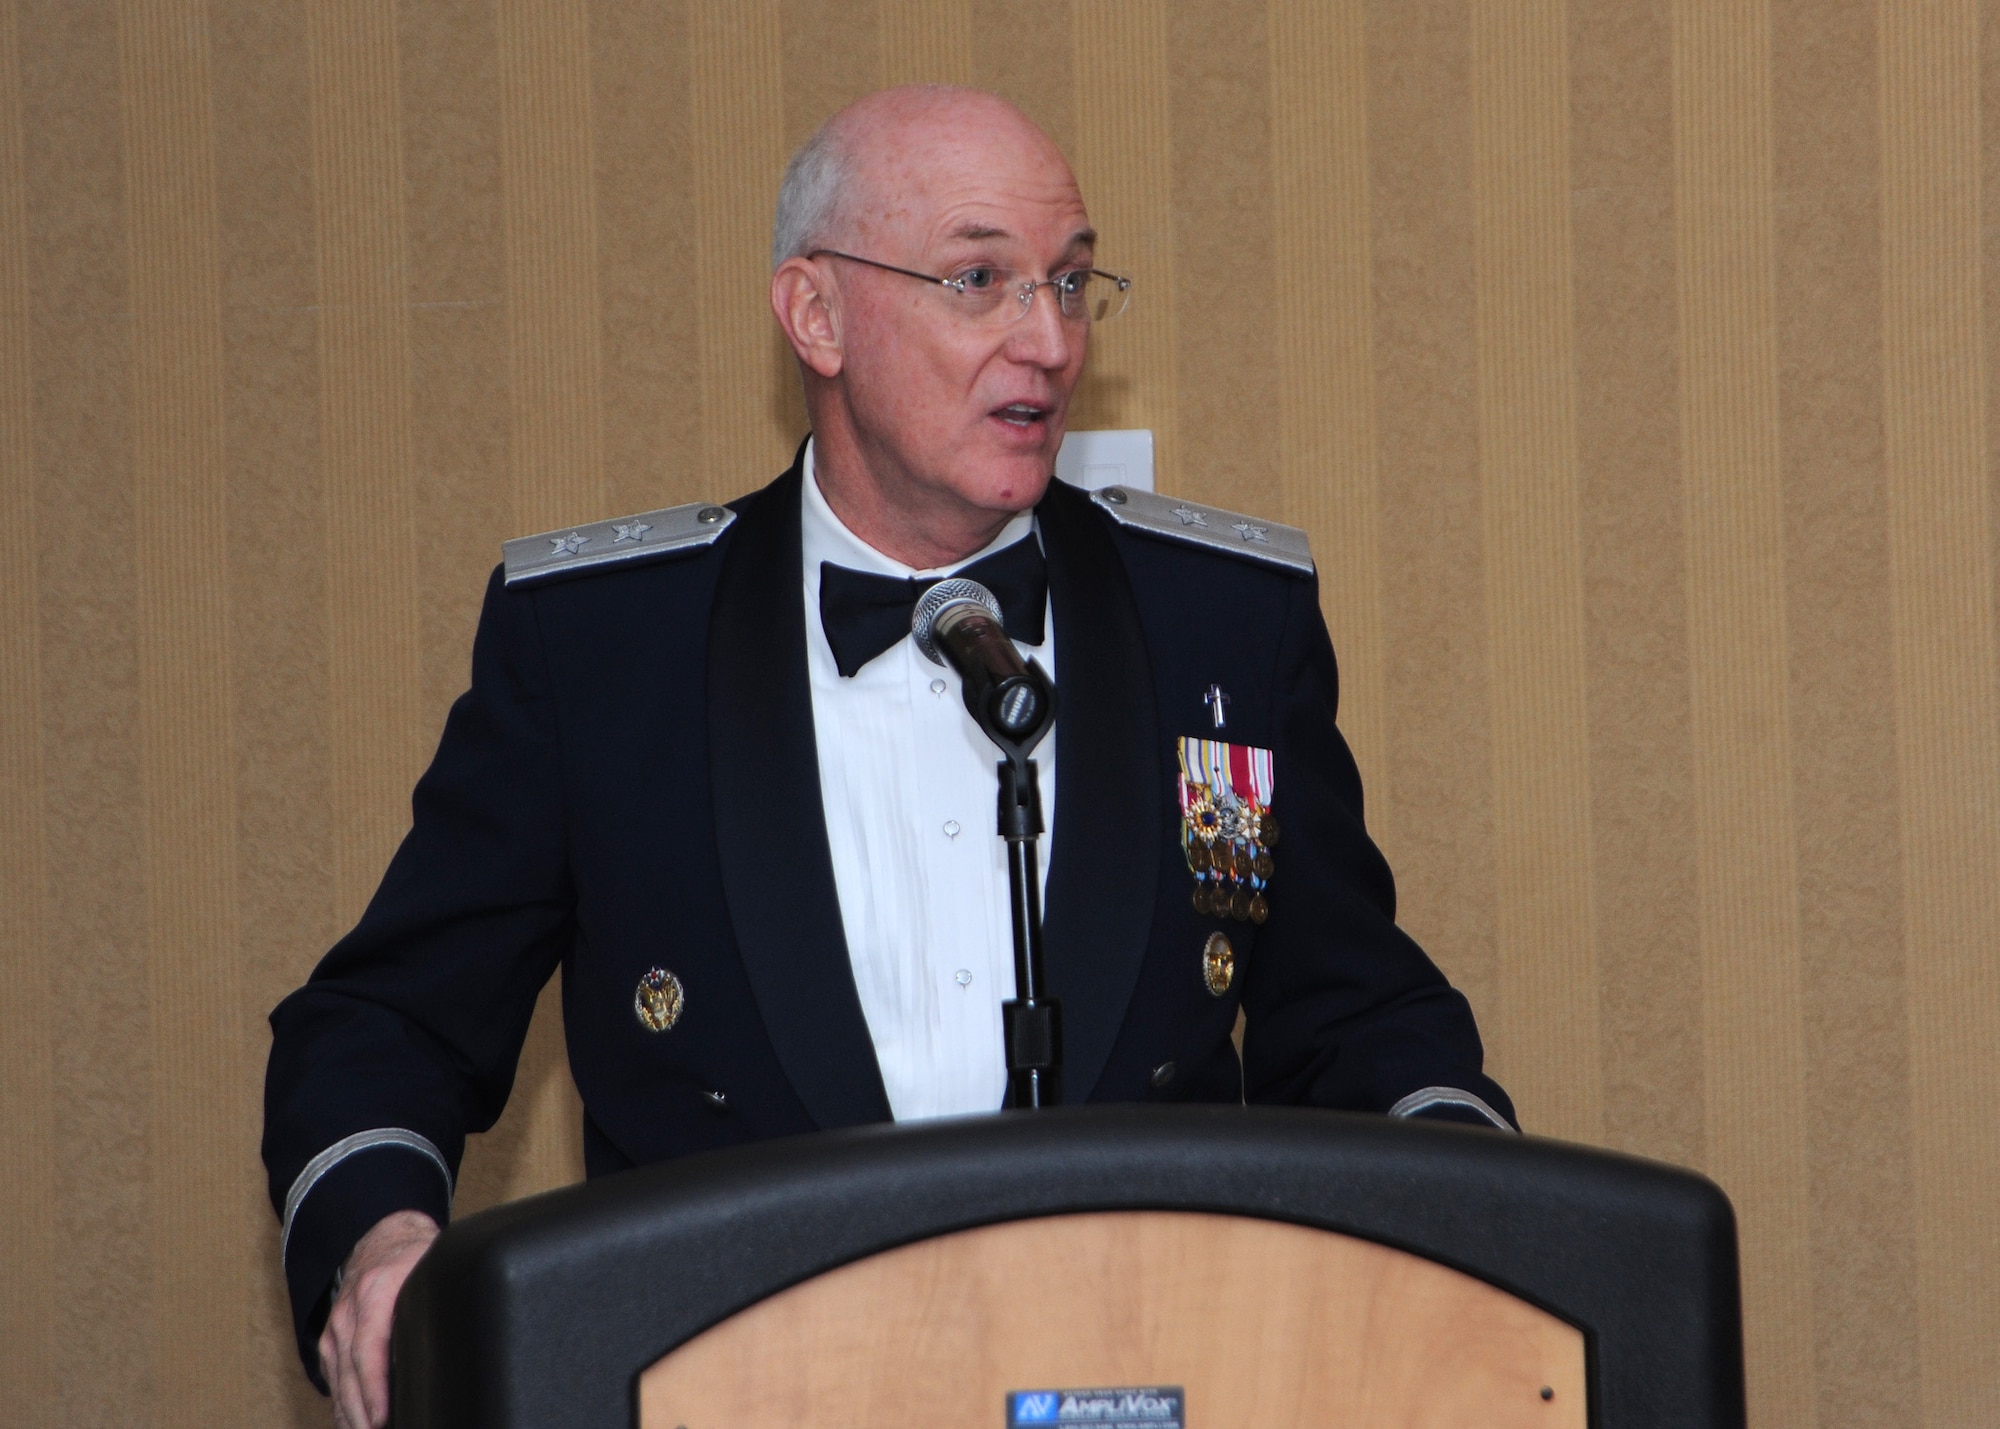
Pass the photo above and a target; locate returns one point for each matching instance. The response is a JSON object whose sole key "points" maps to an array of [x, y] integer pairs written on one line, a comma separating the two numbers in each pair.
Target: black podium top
{"points": [[545, 1312]]}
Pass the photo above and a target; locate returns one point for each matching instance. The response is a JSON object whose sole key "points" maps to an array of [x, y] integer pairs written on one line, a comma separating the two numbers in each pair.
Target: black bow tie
{"points": [[863, 614]]}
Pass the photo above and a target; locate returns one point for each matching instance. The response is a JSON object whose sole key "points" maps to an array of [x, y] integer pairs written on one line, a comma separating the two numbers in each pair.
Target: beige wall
{"points": [[1628, 362]]}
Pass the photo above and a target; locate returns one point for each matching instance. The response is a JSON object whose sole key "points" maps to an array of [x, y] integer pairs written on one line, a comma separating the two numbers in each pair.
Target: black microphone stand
{"points": [[1031, 1021], [959, 621]]}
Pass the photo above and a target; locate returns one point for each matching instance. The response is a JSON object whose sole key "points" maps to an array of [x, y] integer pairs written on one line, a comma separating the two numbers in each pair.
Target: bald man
{"points": [[702, 769]]}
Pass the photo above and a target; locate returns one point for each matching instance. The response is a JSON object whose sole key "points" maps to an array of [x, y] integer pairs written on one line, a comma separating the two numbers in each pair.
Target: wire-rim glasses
{"points": [[980, 291]]}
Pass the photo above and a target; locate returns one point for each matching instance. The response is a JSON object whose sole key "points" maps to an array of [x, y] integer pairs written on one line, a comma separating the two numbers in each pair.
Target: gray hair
{"points": [[811, 195]]}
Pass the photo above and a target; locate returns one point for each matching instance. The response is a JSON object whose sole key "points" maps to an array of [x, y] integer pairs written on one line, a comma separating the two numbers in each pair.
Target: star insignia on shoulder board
{"points": [[568, 545], [1193, 523], [629, 531]]}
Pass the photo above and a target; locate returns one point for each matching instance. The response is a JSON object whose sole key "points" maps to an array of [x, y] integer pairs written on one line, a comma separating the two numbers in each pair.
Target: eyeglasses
{"points": [[996, 296]]}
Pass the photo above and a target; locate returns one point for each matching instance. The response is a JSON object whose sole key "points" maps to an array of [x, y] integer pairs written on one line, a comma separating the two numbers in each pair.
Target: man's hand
{"points": [[354, 1348]]}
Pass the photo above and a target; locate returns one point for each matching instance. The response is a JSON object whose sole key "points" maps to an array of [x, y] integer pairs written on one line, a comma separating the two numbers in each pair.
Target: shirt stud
{"points": [[937, 687], [951, 828], [963, 977]]}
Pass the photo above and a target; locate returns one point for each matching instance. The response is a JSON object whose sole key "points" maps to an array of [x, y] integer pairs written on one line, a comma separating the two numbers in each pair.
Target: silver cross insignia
{"points": [[568, 545], [630, 531], [1215, 699], [1252, 533], [1190, 517]]}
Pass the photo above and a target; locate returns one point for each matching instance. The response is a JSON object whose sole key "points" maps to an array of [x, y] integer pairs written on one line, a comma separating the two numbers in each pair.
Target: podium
{"points": [[1173, 1268]]}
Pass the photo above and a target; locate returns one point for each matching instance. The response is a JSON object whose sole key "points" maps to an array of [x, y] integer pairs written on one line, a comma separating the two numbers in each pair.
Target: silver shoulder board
{"points": [[1208, 526], [602, 543]]}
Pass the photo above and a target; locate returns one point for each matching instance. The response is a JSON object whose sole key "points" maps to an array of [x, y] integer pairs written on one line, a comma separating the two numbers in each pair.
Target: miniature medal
{"points": [[1227, 828]]}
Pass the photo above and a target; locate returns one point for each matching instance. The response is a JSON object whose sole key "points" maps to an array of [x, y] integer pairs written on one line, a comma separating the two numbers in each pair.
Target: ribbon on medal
{"points": [[1227, 828]]}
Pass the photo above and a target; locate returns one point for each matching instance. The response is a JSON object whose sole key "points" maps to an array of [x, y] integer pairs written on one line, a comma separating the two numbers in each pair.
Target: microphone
{"points": [[958, 622]]}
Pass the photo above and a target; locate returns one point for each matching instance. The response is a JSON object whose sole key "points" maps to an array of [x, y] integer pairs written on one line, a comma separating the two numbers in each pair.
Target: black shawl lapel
{"points": [[770, 828], [1105, 871]]}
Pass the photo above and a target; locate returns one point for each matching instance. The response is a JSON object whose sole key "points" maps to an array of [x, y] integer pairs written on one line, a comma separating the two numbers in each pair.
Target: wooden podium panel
{"points": [[1265, 1324], [1237, 1253]]}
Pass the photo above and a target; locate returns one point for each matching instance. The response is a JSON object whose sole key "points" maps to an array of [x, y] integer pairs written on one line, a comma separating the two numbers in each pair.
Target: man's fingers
{"points": [[351, 1357], [354, 1351], [347, 1410], [350, 1408], [376, 1318], [329, 1355]]}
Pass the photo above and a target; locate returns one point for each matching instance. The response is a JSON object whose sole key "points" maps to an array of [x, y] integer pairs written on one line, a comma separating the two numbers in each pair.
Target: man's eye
{"points": [[1073, 281], [979, 279]]}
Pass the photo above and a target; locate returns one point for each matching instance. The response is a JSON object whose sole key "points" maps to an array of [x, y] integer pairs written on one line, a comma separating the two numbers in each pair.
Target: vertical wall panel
{"points": [[645, 234], [27, 1068], [1435, 822], [555, 357], [1829, 284], [1545, 1030], [277, 653], [833, 54], [925, 41], [376, 737], [1628, 452], [100, 1329], [738, 153], [1321, 328], [1123, 157], [1025, 50], [202, 1118], [1225, 363], [1940, 510], [1747, 861], [455, 295]]}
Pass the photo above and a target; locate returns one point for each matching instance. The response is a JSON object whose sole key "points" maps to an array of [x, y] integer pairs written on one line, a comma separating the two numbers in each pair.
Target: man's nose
{"points": [[1042, 335]]}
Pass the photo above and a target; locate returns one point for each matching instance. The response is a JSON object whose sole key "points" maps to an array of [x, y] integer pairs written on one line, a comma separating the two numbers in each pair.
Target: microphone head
{"points": [[941, 597]]}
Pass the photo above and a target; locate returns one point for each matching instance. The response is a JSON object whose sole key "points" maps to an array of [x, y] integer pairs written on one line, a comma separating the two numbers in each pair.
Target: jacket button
{"points": [[1163, 1074], [718, 1100]]}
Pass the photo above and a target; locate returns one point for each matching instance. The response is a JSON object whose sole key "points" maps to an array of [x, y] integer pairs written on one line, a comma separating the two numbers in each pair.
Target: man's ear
{"points": [[800, 298]]}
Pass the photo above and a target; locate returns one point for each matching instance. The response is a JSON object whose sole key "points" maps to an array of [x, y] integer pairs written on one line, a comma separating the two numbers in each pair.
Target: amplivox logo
{"points": [[1146, 1408], [1038, 1407]]}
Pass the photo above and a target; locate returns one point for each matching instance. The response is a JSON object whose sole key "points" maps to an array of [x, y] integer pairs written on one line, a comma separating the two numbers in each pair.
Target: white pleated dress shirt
{"points": [[908, 785]]}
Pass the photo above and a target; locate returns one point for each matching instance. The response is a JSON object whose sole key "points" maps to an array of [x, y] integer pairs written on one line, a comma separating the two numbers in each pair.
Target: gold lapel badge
{"points": [[659, 1000], [1218, 964]]}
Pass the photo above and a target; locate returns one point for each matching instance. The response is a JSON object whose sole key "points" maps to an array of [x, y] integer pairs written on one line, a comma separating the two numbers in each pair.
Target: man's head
{"points": [[930, 428]]}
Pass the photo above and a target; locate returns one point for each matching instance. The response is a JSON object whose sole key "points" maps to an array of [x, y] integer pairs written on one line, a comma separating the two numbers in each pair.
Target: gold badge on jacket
{"points": [[1227, 828], [659, 1000], [1218, 964]]}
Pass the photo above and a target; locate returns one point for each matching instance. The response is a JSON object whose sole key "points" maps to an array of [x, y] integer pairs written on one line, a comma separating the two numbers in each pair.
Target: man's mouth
{"points": [[1021, 414]]}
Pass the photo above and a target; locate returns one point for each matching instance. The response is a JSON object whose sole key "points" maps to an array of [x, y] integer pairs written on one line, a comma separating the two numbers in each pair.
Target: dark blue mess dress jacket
{"points": [[631, 783]]}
